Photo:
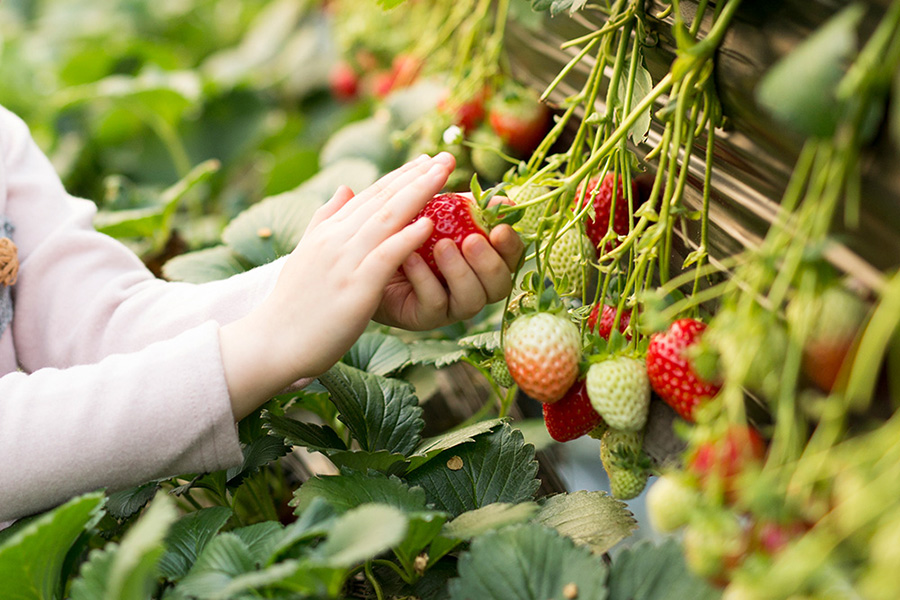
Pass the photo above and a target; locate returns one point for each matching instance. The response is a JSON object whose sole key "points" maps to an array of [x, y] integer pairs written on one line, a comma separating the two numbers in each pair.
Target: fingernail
{"points": [[445, 158], [436, 171], [479, 246]]}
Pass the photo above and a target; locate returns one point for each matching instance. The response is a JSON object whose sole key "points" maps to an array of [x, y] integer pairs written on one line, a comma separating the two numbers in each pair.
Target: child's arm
{"points": [[335, 280]]}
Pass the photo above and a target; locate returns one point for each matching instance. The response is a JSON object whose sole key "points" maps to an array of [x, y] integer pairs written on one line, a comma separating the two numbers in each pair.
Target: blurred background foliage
{"points": [[181, 112]]}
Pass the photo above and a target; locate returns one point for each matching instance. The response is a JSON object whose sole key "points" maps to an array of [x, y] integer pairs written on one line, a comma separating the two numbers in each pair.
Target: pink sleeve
{"points": [[82, 295], [94, 404], [125, 420]]}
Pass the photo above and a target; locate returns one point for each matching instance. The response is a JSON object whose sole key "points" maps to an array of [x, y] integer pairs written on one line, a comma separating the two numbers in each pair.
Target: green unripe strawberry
{"points": [[570, 260], [619, 390], [670, 502], [714, 544], [532, 215], [500, 373], [542, 351], [486, 155], [622, 457]]}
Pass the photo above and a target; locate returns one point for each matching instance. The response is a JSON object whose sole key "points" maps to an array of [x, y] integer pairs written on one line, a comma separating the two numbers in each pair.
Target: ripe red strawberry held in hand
{"points": [[572, 416], [669, 367], [596, 223], [543, 351], [455, 217]]}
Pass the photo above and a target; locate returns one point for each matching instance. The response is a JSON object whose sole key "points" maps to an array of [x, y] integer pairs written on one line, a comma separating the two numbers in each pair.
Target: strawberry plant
{"points": [[782, 480]]}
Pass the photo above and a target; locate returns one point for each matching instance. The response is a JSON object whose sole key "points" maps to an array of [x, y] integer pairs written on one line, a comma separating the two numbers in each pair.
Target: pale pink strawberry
{"points": [[542, 351]]}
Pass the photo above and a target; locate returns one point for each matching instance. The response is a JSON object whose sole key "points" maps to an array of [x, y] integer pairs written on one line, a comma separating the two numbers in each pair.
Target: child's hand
{"points": [[481, 274], [332, 283]]}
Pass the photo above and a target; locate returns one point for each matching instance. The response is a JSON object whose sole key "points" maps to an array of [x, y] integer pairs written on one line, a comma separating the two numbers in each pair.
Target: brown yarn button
{"points": [[9, 262]]}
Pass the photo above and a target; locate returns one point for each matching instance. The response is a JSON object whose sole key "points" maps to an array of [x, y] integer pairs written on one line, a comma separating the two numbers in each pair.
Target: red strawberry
{"points": [[607, 317], [455, 217], [572, 416], [671, 374], [772, 536], [720, 461], [520, 119], [542, 351], [380, 83], [343, 81], [596, 223], [834, 318], [405, 69], [468, 114]]}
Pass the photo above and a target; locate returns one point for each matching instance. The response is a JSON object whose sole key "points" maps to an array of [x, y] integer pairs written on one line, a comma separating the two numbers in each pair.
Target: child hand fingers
{"points": [[340, 198], [381, 263], [490, 268], [381, 192], [386, 180], [467, 295], [508, 245], [374, 227], [429, 291]]}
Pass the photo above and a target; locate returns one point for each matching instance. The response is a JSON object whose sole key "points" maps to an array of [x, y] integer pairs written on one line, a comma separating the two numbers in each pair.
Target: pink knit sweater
{"points": [[108, 376]]}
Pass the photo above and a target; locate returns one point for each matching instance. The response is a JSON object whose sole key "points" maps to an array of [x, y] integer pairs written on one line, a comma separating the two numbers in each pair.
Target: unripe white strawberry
{"points": [[570, 259], [542, 351], [622, 456], [670, 502], [620, 391], [532, 215]]}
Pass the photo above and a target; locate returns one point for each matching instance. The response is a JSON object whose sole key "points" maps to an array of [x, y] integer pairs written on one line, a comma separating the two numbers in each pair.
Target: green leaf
{"points": [[153, 94], [360, 460], [261, 538], [800, 90], [643, 84], [133, 571], [315, 520], [381, 413], [209, 264], [223, 559], [488, 342], [149, 221], [431, 447], [352, 489], [257, 453], [368, 139], [309, 435], [125, 503], [363, 533], [557, 6], [592, 519], [477, 522], [649, 572], [188, 537], [389, 4], [93, 575], [378, 353], [423, 528], [497, 467], [439, 353], [408, 105], [264, 39], [529, 562], [32, 557]]}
